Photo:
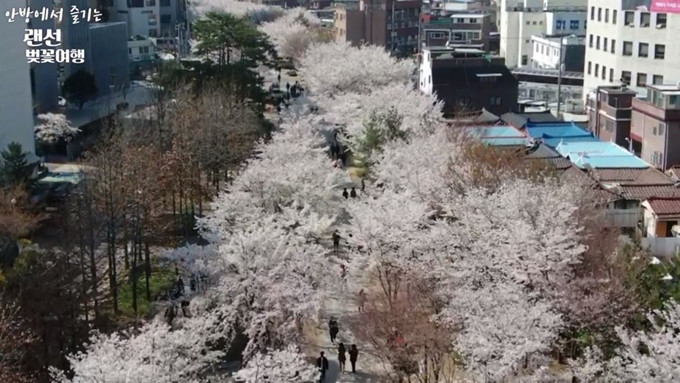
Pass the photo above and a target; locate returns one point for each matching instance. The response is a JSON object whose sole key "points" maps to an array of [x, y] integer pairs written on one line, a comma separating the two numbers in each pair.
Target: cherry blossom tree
{"points": [[333, 68], [54, 126], [155, 353], [287, 365], [258, 13]]}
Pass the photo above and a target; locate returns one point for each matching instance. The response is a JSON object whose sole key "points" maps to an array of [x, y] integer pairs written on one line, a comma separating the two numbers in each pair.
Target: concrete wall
{"points": [[76, 36], [110, 56], [16, 115]]}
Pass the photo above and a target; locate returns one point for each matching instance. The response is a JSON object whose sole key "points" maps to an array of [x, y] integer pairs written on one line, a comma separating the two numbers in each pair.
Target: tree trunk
{"points": [[147, 270], [133, 275]]}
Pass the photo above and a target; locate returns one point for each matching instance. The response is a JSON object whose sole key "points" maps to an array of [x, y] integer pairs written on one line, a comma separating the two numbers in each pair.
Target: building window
{"points": [[528, 22], [129, 50], [645, 19], [611, 75], [627, 48], [641, 79], [473, 21], [661, 20], [166, 19], [614, 16], [604, 44], [496, 101], [629, 18], [604, 72], [590, 67], [165, 3], [590, 41], [525, 59], [592, 13], [527, 41], [597, 69], [150, 3], [613, 46], [533, 22], [573, 24], [625, 77], [657, 79], [599, 14], [437, 35], [606, 15], [597, 42], [643, 50], [659, 51], [460, 21]]}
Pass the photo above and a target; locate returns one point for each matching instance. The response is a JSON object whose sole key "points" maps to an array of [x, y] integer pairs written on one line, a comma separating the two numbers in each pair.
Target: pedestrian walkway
{"points": [[343, 307]]}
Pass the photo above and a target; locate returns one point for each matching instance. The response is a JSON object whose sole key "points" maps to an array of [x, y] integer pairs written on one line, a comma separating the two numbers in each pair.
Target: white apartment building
{"points": [[16, 104], [148, 18], [631, 45], [545, 53], [521, 19]]}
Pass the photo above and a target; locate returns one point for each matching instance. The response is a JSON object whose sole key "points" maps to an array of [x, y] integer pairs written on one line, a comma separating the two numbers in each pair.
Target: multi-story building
{"points": [[460, 29], [539, 80], [108, 57], [609, 116], [655, 125], [389, 23], [521, 19], [16, 109], [149, 18], [548, 53], [628, 44], [467, 80]]}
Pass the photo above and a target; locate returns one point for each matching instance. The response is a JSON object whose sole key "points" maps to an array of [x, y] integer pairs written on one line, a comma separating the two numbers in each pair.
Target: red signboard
{"points": [[665, 6]]}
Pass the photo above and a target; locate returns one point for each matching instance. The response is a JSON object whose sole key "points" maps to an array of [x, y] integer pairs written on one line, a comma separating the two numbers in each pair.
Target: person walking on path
{"points": [[336, 241], [322, 364], [341, 357], [333, 329], [362, 300], [353, 355], [344, 193], [279, 76], [353, 193]]}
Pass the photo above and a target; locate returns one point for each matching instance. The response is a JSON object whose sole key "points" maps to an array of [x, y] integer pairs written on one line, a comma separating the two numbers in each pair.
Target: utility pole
{"points": [[392, 32], [559, 77]]}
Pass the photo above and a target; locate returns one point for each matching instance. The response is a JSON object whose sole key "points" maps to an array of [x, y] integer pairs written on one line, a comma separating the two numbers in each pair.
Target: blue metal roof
{"points": [[554, 141], [494, 131], [555, 130], [505, 141], [599, 154]]}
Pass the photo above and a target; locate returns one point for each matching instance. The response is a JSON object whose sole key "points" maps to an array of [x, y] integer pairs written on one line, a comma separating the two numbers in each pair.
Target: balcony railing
{"points": [[623, 217], [656, 112]]}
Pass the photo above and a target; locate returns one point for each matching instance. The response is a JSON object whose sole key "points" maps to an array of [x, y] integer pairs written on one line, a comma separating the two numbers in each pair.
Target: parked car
{"points": [[292, 73]]}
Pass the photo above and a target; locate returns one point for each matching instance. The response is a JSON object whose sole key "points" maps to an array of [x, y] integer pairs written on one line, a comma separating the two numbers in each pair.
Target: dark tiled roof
{"points": [[486, 116], [665, 206], [574, 174], [519, 120], [643, 192], [674, 172], [560, 163], [648, 176]]}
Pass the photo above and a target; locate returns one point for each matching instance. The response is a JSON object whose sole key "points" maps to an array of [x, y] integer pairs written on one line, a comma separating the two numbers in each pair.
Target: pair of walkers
{"points": [[322, 362]]}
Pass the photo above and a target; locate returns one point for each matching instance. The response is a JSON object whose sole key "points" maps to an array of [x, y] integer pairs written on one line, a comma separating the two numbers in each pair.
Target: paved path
{"points": [[342, 306]]}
